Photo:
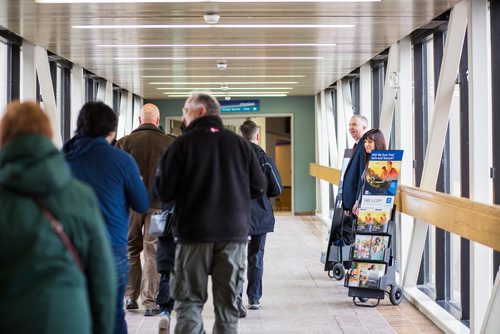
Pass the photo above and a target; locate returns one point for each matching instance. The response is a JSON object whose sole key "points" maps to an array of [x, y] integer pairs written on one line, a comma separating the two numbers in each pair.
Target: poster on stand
{"points": [[380, 186]]}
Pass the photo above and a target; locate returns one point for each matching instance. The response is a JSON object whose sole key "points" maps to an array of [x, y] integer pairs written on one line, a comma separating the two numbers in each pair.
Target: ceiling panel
{"points": [[376, 26]]}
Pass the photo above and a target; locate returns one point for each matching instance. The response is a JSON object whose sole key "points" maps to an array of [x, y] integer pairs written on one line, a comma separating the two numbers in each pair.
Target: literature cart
{"points": [[372, 272], [339, 249], [337, 252]]}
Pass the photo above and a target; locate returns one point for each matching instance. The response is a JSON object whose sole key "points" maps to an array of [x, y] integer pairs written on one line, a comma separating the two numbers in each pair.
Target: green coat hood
{"points": [[32, 165]]}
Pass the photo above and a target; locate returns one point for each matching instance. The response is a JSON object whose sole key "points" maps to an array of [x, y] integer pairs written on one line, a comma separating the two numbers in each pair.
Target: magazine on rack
{"points": [[370, 247], [366, 275], [373, 220]]}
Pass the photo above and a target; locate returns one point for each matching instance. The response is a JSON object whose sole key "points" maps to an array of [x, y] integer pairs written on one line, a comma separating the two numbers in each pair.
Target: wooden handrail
{"points": [[471, 220]]}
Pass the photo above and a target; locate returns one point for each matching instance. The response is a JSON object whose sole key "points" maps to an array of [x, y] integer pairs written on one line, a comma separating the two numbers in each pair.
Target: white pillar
{"points": [[77, 95], [28, 86], [347, 112], [130, 113], [365, 85], [388, 99], [479, 154], [108, 98], [137, 105], [404, 140], [47, 92]]}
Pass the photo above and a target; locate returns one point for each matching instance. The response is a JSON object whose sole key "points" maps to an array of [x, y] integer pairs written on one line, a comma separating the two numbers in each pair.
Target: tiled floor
{"points": [[299, 297]]}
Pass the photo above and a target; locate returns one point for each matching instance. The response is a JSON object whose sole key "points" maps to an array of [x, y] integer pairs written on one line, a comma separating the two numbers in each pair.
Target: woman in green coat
{"points": [[42, 288]]}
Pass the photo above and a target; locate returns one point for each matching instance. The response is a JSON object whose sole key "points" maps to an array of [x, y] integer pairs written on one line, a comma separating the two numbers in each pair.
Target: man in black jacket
{"points": [[262, 218], [212, 174], [358, 125]]}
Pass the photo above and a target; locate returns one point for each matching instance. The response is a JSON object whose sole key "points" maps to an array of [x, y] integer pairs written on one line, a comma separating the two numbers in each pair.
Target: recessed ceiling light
{"points": [[211, 45], [208, 58], [201, 26]]}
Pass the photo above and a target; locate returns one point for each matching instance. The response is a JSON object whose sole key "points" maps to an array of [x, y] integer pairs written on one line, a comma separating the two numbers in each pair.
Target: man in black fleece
{"points": [[212, 174], [262, 218]]}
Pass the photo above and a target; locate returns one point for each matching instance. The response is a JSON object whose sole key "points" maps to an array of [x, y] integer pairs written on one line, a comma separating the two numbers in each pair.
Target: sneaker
{"points": [[242, 312], [254, 306], [150, 312], [164, 313], [132, 305], [164, 323]]}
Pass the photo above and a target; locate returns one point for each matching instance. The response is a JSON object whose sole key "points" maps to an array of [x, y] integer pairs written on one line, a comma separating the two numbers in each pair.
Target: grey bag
{"points": [[161, 223]]}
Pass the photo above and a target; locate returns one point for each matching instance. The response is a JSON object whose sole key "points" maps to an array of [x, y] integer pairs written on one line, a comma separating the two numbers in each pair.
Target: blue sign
{"points": [[239, 106]]}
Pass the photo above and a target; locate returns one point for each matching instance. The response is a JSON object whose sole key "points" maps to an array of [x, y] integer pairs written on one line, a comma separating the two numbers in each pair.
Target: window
{"points": [[3, 76]]}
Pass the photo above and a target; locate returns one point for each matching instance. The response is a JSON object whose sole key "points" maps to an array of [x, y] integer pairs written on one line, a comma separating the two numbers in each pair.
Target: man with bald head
{"points": [[146, 144]]}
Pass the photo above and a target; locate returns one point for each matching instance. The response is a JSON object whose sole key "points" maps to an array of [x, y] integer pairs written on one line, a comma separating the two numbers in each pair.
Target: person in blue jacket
{"points": [[115, 178], [262, 218]]}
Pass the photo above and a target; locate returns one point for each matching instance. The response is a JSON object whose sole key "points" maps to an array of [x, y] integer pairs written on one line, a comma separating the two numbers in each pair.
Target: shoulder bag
{"points": [[161, 223]]}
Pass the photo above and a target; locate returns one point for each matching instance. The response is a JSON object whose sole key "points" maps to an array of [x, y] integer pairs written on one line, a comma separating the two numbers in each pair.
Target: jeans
{"points": [[164, 300], [255, 269], [120, 254]]}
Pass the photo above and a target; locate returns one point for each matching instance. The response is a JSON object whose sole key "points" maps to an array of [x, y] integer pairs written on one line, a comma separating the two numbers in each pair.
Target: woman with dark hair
{"points": [[374, 140], [115, 178], [50, 281]]}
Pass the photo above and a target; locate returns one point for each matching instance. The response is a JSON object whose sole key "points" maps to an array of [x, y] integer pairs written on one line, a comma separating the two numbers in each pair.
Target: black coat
{"points": [[352, 177], [211, 174], [262, 210]]}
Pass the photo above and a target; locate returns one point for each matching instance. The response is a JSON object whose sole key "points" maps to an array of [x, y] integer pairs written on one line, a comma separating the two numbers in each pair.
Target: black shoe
{"points": [[132, 305], [151, 312], [242, 311]]}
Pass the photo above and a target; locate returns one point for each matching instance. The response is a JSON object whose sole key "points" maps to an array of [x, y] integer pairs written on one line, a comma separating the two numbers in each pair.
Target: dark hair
{"points": [[96, 119], [208, 101], [249, 129], [23, 119], [378, 138]]}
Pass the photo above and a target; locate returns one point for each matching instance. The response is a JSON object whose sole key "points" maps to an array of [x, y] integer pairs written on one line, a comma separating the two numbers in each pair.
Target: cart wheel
{"points": [[330, 273], [396, 295], [338, 271], [363, 299]]}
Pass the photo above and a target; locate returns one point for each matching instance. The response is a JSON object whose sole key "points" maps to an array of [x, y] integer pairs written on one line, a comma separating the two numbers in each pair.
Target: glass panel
{"points": [[429, 110], [455, 190], [3, 77]]}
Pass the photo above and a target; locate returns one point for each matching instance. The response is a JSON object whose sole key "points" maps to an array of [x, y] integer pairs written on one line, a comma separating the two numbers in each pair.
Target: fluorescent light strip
{"points": [[229, 88], [227, 83], [229, 94], [206, 45], [211, 26], [223, 76], [208, 58], [190, 1]]}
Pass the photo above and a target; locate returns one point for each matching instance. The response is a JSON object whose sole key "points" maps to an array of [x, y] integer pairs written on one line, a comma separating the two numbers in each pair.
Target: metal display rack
{"points": [[386, 283]]}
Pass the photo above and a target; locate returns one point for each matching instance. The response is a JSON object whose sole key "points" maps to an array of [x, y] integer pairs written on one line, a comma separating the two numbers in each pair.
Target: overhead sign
{"points": [[240, 106]]}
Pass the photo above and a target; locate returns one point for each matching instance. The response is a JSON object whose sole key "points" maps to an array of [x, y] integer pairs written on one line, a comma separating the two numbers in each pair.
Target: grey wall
{"points": [[302, 108]]}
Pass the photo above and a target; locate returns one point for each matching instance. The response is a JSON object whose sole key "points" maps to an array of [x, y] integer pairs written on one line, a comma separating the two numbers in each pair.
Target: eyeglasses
{"points": [[184, 110]]}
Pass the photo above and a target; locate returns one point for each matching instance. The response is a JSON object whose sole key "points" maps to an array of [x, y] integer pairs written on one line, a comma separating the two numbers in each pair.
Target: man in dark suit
{"points": [[358, 125]]}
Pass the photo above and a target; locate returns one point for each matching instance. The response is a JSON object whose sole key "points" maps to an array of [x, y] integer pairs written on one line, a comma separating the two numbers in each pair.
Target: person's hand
{"points": [[355, 208], [347, 212]]}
